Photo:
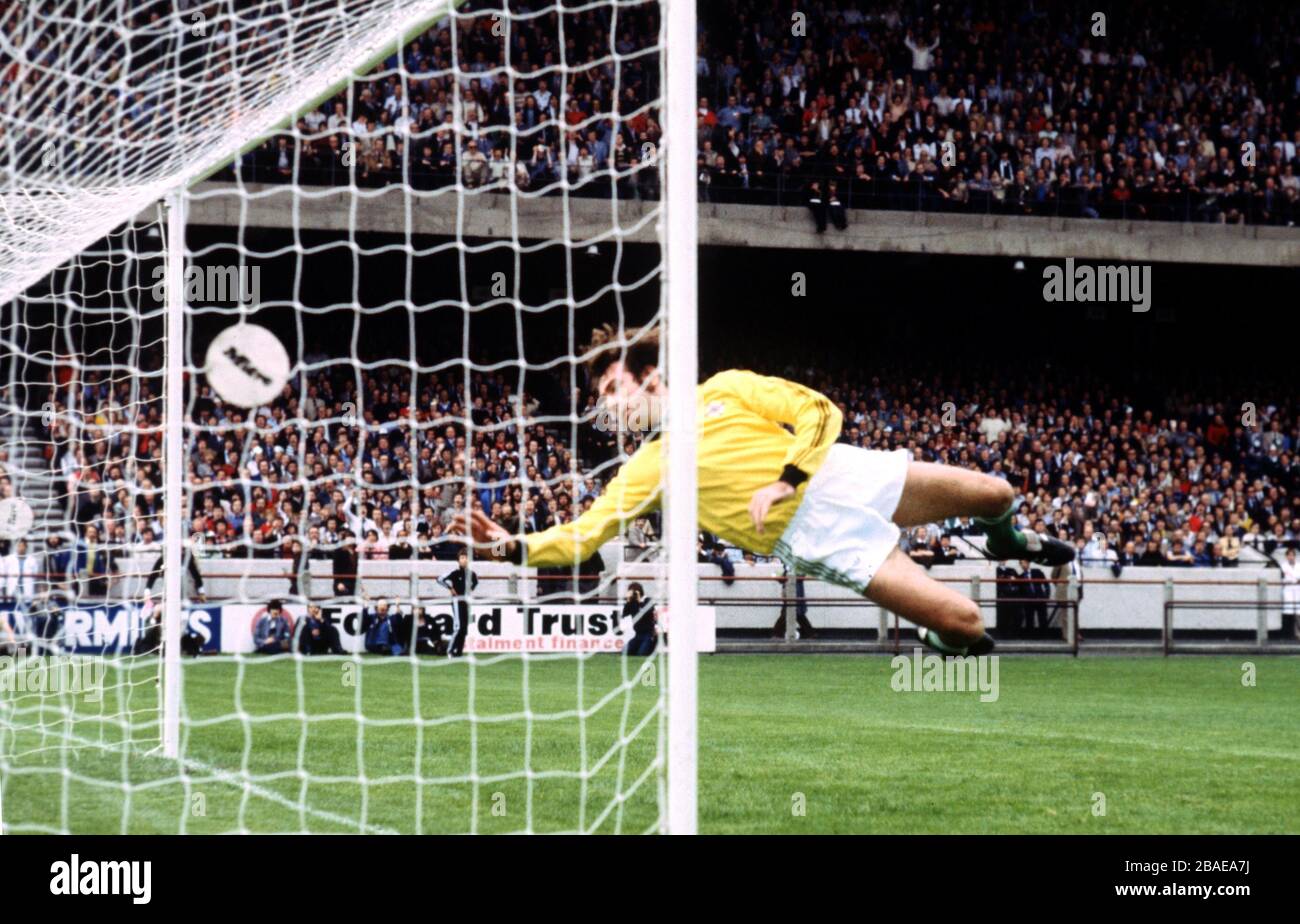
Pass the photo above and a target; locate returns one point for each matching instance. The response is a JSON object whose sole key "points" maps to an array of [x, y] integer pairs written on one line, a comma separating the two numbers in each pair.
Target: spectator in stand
{"points": [[918, 547], [712, 553], [1149, 555], [835, 206], [401, 549], [1290, 594], [945, 553], [640, 535], [1097, 553], [474, 166], [441, 547], [642, 613], [804, 625], [817, 205], [8, 637], [922, 57], [273, 633], [382, 629], [10, 621], [1035, 591], [460, 583], [427, 636], [346, 566], [1178, 555], [58, 563], [300, 581], [96, 563], [316, 635], [1009, 592], [19, 570], [375, 548], [1229, 550]]}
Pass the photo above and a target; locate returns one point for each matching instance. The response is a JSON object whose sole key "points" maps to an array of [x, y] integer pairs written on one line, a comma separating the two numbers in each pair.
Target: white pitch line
{"points": [[235, 779]]}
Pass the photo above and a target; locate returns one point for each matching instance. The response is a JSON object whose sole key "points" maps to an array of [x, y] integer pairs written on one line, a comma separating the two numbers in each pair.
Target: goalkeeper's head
{"points": [[624, 370]]}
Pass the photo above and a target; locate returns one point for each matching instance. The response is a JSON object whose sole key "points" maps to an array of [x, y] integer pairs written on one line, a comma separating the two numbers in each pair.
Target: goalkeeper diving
{"points": [[827, 509]]}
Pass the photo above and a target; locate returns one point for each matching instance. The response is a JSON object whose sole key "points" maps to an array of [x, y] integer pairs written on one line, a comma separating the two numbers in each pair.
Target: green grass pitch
{"points": [[789, 743]]}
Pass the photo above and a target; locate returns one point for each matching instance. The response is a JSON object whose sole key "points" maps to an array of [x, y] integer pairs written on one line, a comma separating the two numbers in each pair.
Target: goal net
{"points": [[222, 612]]}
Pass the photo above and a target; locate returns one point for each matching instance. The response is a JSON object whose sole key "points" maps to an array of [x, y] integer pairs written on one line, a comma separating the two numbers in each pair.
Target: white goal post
{"points": [[122, 134], [680, 497]]}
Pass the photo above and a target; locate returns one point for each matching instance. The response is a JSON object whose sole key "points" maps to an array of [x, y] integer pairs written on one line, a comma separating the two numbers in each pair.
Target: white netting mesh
{"points": [[432, 244], [108, 105]]}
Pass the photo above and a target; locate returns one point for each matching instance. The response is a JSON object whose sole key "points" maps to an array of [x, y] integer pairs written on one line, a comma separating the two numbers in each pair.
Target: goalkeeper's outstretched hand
{"points": [[763, 500], [479, 528]]}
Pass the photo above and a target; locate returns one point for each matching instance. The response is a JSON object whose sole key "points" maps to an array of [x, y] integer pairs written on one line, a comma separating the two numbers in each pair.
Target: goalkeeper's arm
{"points": [[633, 493]]}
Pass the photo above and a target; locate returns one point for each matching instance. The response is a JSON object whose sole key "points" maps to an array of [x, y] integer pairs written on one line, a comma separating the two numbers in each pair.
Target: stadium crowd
{"points": [[330, 473], [1039, 115], [983, 106], [578, 106], [989, 106]]}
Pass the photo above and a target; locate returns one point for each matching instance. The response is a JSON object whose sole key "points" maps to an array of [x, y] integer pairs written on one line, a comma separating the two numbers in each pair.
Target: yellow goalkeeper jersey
{"points": [[742, 446]]}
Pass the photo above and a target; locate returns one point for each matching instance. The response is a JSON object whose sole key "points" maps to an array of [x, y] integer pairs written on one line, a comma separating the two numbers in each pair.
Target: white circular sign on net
{"points": [[15, 518], [247, 365]]}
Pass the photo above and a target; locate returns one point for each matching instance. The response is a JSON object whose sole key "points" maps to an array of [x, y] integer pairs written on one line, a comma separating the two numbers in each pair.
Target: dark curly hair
{"points": [[638, 348]]}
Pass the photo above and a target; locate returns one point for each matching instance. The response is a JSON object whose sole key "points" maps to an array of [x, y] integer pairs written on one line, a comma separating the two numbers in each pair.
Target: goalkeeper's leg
{"points": [[934, 493], [951, 623]]}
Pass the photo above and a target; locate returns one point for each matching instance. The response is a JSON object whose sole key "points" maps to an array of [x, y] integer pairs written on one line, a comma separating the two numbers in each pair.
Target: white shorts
{"points": [[844, 529]]}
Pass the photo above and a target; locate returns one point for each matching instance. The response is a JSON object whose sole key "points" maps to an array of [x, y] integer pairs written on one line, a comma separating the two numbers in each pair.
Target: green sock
{"points": [[944, 647], [1001, 531]]}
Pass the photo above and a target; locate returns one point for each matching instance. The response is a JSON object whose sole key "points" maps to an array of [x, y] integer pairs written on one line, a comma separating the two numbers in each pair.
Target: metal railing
{"points": [[791, 187], [1073, 201], [1064, 600]]}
